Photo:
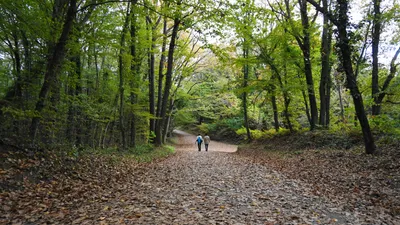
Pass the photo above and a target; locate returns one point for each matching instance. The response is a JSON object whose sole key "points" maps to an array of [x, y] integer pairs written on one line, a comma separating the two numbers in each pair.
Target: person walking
{"points": [[199, 140], [206, 141]]}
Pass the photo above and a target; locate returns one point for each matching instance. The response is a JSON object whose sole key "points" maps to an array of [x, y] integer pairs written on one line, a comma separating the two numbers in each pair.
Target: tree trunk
{"points": [[78, 90], [168, 82], [325, 82], [275, 110], [339, 90], [286, 97], [53, 67], [376, 32], [244, 96], [306, 49], [158, 131], [151, 81], [345, 49], [121, 81], [306, 105], [169, 115], [135, 68]]}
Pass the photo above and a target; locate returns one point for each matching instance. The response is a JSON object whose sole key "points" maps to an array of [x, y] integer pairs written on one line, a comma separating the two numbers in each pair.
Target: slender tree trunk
{"points": [[168, 82], [244, 96], [339, 90], [307, 109], [53, 66], [275, 110], [161, 69], [328, 100], [169, 115], [306, 49], [325, 82], [78, 91], [121, 80], [286, 97], [135, 69], [376, 32], [151, 56], [158, 130]]}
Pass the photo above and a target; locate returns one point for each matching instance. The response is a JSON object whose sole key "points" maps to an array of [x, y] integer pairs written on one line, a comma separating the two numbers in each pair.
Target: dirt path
{"points": [[215, 187], [191, 187]]}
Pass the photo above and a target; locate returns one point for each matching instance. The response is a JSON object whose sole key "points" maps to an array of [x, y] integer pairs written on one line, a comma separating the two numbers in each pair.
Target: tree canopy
{"points": [[97, 73]]}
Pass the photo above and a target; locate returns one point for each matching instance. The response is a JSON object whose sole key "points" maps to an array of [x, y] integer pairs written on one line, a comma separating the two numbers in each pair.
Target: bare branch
{"points": [[323, 11], [392, 73], [362, 56]]}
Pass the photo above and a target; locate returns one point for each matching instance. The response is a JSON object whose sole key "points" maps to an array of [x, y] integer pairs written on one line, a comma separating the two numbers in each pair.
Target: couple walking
{"points": [[199, 140]]}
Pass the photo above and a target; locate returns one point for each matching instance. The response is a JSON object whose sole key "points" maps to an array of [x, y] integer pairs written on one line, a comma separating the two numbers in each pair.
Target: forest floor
{"points": [[220, 186]]}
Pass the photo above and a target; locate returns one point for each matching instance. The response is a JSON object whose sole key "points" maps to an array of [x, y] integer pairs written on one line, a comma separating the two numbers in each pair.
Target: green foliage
{"points": [[204, 128], [207, 75], [255, 134], [146, 154], [385, 124], [184, 118], [234, 123]]}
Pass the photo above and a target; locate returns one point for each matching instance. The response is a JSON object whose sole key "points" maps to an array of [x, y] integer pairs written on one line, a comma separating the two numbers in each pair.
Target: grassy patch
{"points": [[153, 154], [141, 153]]}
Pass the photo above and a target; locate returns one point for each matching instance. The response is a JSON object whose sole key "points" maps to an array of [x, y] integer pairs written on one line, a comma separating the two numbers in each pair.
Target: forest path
{"points": [[214, 187]]}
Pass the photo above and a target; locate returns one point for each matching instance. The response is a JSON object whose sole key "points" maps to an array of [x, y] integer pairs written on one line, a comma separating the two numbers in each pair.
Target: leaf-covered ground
{"points": [[191, 187], [366, 185]]}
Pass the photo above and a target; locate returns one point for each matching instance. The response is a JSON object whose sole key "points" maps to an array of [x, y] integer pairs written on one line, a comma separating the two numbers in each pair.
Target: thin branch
{"points": [[393, 69], [316, 13], [392, 102], [323, 11], [193, 86], [362, 56]]}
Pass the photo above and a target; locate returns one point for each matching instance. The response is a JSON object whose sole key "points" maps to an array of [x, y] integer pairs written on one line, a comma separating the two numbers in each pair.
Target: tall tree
{"points": [[342, 23], [326, 80], [158, 125], [152, 27], [376, 33], [134, 70], [122, 80], [168, 81], [55, 58]]}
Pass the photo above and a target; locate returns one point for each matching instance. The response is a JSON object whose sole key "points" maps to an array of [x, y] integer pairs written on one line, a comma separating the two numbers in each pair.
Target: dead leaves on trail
{"points": [[46, 188], [194, 187], [366, 185]]}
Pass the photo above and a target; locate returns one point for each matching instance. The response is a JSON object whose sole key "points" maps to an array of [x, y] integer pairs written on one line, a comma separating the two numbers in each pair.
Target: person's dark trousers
{"points": [[199, 145], [206, 145]]}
